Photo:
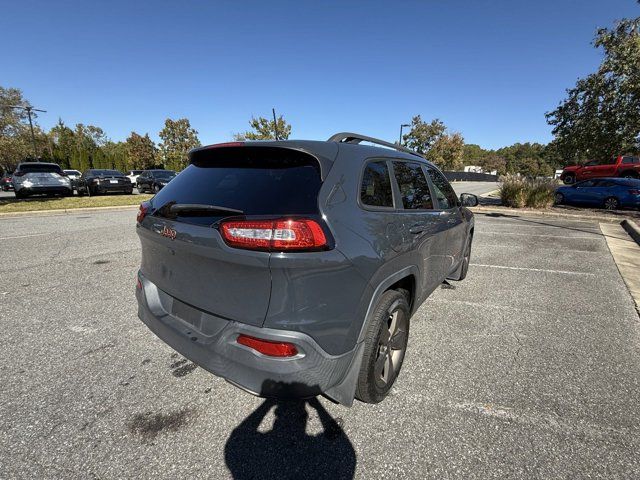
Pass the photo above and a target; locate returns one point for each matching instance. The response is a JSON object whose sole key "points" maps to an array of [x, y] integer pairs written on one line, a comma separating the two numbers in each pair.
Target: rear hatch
{"points": [[110, 179], [40, 176], [183, 251]]}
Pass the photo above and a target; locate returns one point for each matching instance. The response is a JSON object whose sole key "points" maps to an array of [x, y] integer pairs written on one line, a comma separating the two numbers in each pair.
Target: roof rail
{"points": [[349, 137]]}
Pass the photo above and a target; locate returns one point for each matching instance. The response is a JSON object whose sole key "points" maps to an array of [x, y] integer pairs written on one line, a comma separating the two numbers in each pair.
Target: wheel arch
{"points": [[401, 279]]}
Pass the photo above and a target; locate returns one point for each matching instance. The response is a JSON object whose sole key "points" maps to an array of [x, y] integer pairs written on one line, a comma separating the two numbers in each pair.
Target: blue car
{"points": [[610, 193]]}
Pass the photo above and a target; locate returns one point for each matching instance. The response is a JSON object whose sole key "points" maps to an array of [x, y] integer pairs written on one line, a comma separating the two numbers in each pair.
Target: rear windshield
{"points": [[164, 174], [27, 168], [256, 180]]}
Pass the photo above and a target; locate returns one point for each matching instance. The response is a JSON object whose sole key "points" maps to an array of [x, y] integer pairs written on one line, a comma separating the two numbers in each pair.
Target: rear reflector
{"points": [[268, 347], [270, 235], [142, 212]]}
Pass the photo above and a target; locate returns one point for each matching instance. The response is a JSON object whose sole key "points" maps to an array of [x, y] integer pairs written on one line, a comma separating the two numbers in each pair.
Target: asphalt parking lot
{"points": [[530, 368]]}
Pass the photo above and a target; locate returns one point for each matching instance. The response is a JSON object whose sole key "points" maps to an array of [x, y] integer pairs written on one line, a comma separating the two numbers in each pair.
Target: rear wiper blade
{"points": [[178, 208]]}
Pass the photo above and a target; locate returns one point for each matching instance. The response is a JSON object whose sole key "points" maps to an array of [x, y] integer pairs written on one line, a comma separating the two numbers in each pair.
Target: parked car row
{"points": [[32, 178], [625, 166], [611, 193]]}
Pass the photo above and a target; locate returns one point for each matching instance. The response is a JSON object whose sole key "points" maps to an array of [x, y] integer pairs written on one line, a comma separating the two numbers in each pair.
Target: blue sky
{"points": [[488, 69]]}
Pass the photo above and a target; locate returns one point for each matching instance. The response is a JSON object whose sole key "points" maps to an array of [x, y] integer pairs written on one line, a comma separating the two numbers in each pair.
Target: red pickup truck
{"points": [[627, 166]]}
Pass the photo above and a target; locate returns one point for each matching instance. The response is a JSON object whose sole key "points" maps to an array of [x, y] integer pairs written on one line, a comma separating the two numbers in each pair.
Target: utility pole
{"points": [[275, 122], [29, 109], [401, 127]]}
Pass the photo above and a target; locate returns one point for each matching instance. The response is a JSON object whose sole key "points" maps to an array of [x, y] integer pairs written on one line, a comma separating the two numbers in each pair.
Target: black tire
{"points": [[140, 190], [385, 345], [80, 192], [156, 188], [558, 198], [629, 175], [569, 179], [20, 195], [611, 203], [89, 193]]}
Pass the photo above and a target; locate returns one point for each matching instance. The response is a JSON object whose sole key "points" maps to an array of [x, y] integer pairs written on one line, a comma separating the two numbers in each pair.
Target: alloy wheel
{"points": [[611, 204], [391, 348]]}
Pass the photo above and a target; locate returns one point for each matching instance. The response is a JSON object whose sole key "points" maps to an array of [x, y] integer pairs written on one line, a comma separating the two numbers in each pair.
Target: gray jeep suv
{"points": [[292, 268]]}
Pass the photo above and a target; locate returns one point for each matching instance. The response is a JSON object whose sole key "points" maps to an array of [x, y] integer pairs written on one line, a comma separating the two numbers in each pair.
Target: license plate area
{"points": [[113, 181]]}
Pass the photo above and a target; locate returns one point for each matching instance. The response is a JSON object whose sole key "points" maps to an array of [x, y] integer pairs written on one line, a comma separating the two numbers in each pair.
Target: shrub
{"points": [[520, 192]]}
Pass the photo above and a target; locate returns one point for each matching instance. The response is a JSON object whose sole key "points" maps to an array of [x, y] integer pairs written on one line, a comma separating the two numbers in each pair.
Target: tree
{"points": [[432, 140], [178, 137], [447, 152], [117, 156], [601, 115], [13, 120], [15, 136], [264, 129], [422, 135], [493, 162], [141, 151], [62, 141]]}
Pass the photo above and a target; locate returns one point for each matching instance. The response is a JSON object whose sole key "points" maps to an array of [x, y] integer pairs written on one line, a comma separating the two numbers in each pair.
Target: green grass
{"points": [[13, 205]]}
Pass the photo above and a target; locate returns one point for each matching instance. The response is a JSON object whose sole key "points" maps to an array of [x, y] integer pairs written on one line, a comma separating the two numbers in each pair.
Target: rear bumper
{"points": [[45, 190], [210, 342], [120, 188]]}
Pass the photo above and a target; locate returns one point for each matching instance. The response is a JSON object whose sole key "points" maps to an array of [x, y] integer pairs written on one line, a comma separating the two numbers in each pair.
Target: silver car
{"points": [[32, 178]]}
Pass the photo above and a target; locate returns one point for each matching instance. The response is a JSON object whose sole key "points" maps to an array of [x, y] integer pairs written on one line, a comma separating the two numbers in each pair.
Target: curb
{"points": [[544, 213], [632, 229], [65, 211]]}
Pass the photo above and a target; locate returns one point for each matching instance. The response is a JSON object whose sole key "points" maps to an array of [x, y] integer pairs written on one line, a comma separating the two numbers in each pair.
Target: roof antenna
{"points": [[275, 123]]}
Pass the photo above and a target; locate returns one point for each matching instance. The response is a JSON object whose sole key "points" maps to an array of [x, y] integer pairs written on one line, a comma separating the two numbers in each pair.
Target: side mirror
{"points": [[468, 200]]}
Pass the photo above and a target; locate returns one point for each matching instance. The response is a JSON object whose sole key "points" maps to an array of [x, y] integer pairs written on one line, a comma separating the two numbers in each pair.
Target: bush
{"points": [[520, 192]]}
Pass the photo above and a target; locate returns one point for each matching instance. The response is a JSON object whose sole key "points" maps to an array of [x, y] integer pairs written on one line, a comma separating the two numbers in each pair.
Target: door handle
{"points": [[415, 229]]}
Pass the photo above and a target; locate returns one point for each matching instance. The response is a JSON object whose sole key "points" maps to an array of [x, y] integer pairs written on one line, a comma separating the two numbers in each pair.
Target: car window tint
{"points": [[587, 183], [413, 186], [630, 160], [257, 181], [444, 193], [376, 185]]}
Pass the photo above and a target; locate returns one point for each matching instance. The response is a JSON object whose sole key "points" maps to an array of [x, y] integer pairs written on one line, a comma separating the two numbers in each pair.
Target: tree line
{"points": [[599, 118], [87, 146]]}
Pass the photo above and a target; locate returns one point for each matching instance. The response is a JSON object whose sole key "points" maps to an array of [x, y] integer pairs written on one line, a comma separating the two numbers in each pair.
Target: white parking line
{"points": [[595, 236], [565, 272], [24, 236]]}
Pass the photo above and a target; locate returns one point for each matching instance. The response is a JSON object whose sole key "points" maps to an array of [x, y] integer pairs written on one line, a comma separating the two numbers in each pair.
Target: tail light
{"points": [[142, 212], [268, 347], [269, 235], [634, 192]]}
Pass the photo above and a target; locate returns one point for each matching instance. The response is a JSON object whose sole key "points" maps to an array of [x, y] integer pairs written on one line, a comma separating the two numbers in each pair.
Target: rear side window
{"points": [[256, 180], [413, 186], [375, 190], [445, 194], [630, 160]]}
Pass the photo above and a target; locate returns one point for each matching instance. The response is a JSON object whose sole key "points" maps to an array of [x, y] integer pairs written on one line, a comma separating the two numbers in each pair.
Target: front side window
{"points": [[586, 183], [375, 190], [413, 186], [630, 160], [444, 193]]}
